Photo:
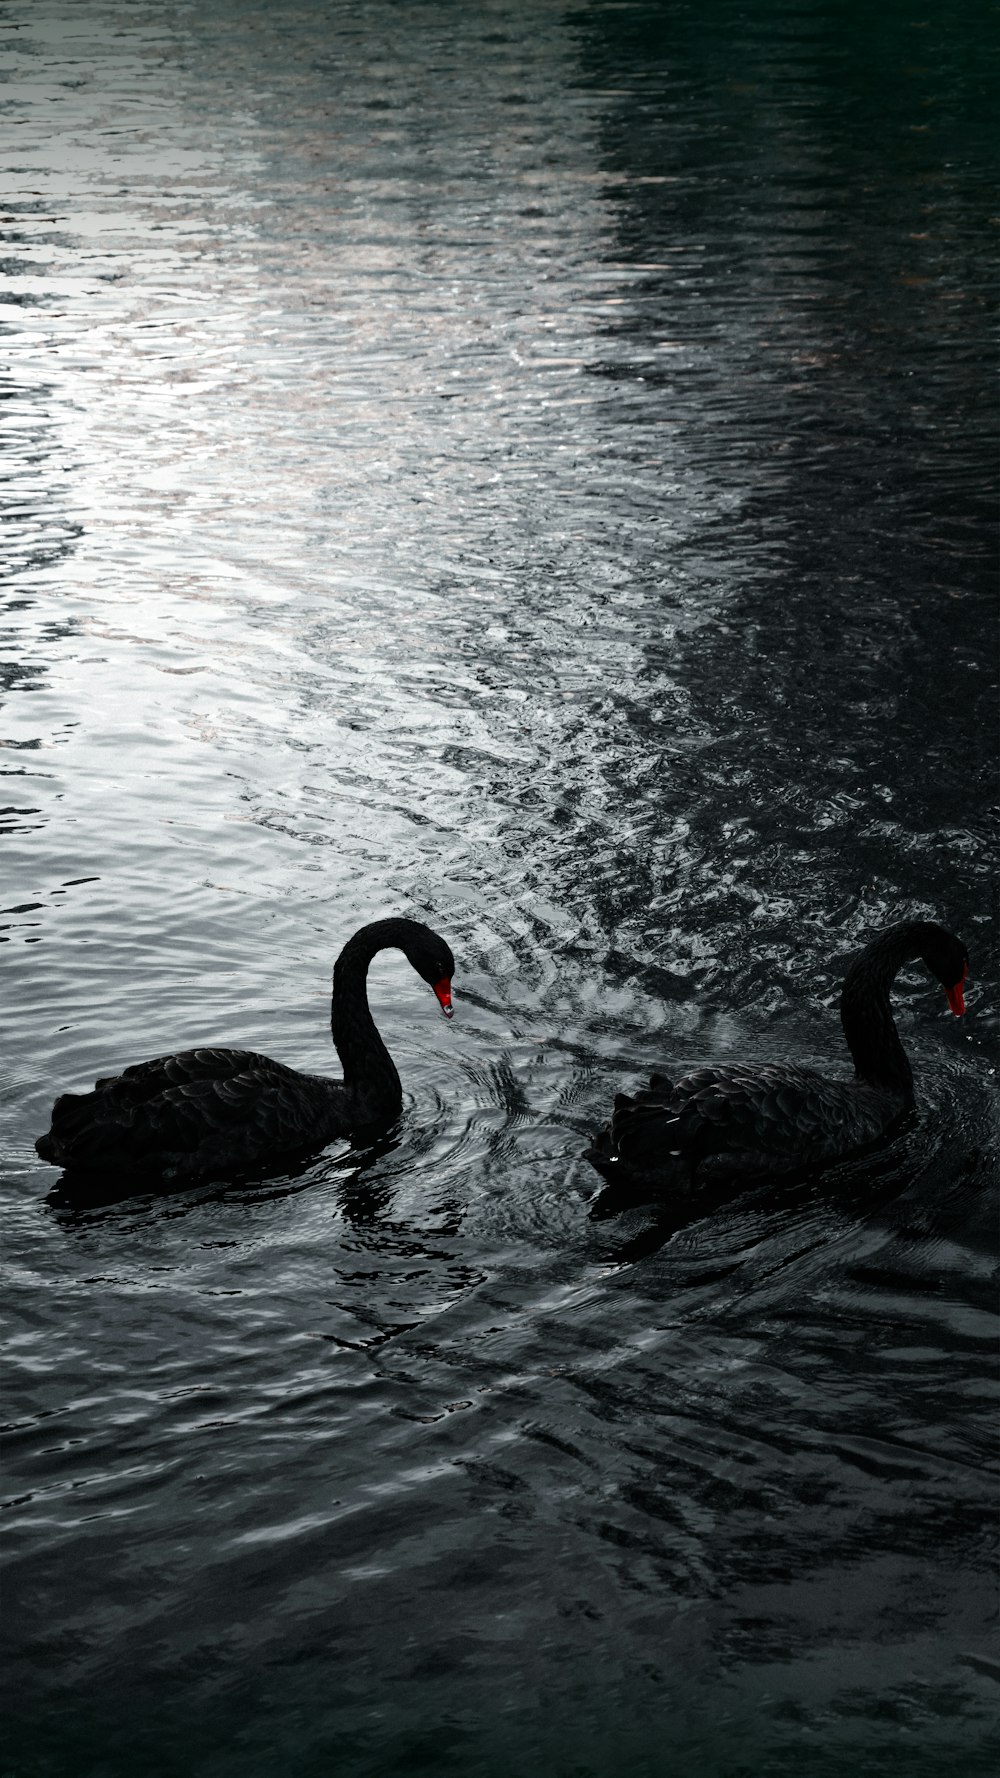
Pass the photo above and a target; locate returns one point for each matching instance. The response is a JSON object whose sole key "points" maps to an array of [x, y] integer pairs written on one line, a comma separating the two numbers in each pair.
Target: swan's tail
{"points": [[72, 1119], [638, 1152], [86, 1134], [601, 1155], [643, 1143]]}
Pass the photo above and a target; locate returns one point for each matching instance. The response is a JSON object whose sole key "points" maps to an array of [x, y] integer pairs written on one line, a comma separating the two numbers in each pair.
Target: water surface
{"points": [[529, 469]]}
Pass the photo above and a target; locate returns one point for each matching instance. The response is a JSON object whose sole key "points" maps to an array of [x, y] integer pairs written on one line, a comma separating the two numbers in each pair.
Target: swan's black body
{"points": [[741, 1122], [221, 1113]]}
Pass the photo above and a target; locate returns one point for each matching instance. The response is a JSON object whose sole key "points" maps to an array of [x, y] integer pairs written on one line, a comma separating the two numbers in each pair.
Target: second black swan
{"points": [[221, 1112], [738, 1121]]}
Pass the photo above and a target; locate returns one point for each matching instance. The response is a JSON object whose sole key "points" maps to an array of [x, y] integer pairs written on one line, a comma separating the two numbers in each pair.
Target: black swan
{"points": [[739, 1122], [222, 1113]]}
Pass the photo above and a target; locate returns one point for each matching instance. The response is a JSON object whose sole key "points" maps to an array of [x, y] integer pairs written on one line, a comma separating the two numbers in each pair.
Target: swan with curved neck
{"points": [[739, 1121], [222, 1112]]}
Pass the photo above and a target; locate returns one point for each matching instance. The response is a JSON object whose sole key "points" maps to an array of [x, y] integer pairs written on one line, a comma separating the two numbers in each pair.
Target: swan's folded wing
{"points": [[240, 1118], [199, 1108], [144, 1080], [781, 1111]]}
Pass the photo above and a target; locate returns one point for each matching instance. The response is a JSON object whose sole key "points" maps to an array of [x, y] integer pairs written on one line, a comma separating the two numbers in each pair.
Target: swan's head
{"points": [[432, 959], [947, 958]]}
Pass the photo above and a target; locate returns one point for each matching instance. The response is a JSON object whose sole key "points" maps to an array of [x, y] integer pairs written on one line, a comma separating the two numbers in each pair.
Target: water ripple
{"points": [[527, 473]]}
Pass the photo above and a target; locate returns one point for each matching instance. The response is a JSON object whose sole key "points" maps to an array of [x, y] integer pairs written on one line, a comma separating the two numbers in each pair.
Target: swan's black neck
{"points": [[369, 1071], [869, 1027]]}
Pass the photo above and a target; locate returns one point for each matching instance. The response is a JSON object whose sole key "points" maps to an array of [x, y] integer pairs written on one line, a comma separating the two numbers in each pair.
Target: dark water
{"points": [[529, 467]]}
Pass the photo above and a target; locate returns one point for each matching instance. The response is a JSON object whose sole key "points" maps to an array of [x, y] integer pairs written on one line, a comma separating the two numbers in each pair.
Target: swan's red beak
{"points": [[443, 991], [956, 999]]}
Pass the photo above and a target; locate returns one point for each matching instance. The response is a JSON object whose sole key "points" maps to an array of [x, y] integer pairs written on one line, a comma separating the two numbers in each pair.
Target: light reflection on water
{"points": [[526, 472]]}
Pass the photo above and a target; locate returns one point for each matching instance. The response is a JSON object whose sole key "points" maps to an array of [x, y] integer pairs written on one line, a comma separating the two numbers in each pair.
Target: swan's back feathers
{"points": [[717, 1119], [143, 1080], [181, 1115]]}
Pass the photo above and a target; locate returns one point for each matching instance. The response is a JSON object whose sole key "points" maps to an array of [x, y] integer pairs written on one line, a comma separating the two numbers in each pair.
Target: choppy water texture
{"points": [[526, 467]]}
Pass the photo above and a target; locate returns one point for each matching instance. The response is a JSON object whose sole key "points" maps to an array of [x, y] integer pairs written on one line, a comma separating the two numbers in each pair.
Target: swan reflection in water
{"points": [[363, 1195]]}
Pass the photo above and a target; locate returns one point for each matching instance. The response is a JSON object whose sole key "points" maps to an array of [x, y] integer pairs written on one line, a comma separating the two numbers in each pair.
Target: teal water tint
{"points": [[530, 468]]}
